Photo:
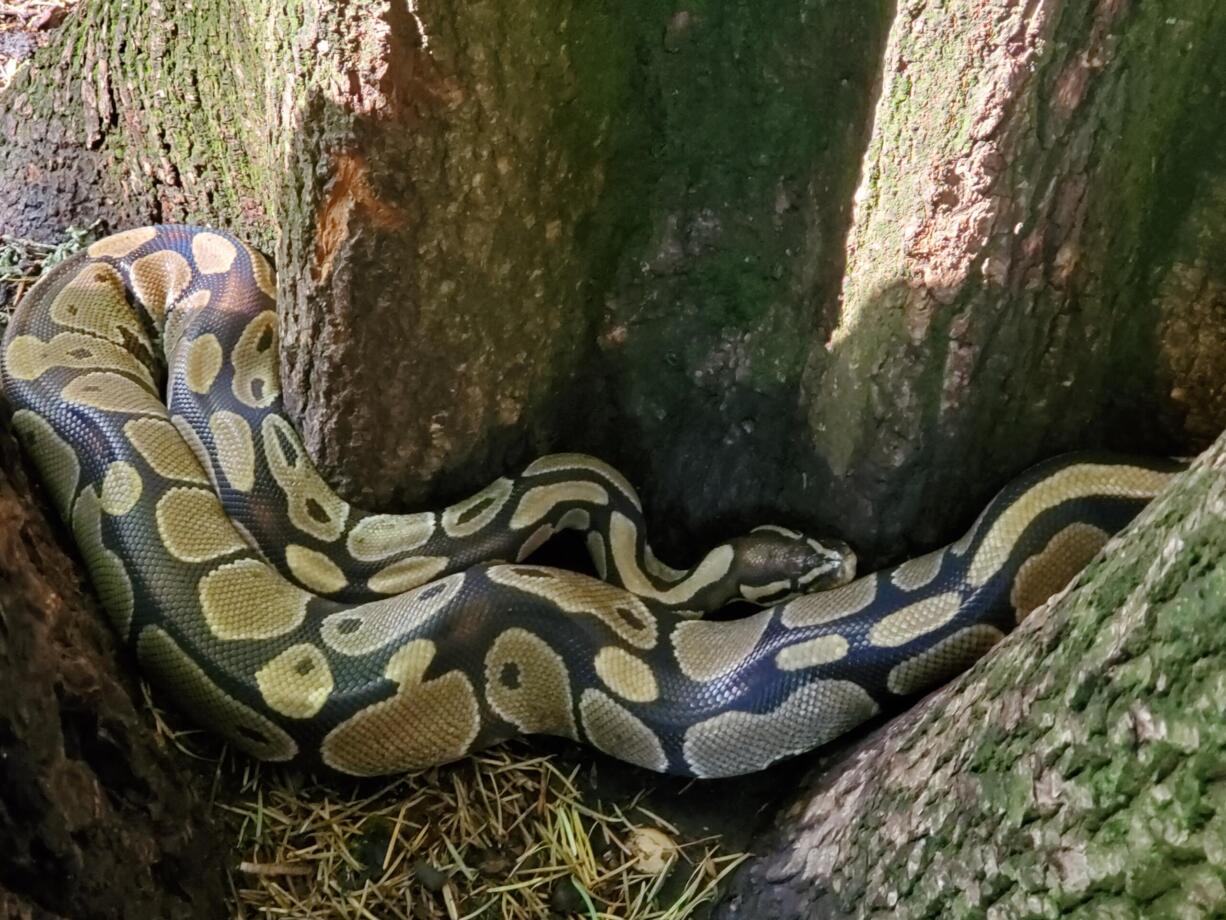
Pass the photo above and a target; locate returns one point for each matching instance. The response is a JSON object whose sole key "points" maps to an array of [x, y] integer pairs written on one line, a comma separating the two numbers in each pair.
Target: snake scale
{"points": [[144, 380]]}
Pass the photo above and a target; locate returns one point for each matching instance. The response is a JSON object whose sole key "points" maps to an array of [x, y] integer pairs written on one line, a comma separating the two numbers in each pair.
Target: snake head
{"points": [[778, 563]]}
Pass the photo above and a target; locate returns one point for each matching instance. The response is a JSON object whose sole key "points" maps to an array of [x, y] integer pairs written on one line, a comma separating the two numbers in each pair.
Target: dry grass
{"points": [[503, 835]]}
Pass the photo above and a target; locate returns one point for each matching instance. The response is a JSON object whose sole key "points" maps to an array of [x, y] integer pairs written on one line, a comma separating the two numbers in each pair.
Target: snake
{"points": [[143, 378]]}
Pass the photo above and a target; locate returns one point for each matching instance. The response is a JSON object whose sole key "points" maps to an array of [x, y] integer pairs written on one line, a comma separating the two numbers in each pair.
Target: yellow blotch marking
{"points": [[297, 682], [915, 620], [265, 278], [378, 536], [471, 515], [406, 574], [526, 683], [950, 656], [112, 393], [248, 600], [158, 279], [202, 363], [560, 463], [622, 612], [256, 380], [313, 507], [235, 448], [119, 245], [163, 448], [1053, 567], [627, 676], [623, 540], [828, 606], [175, 670], [106, 569], [425, 723], [535, 541], [811, 653], [23, 358], [214, 254], [194, 527], [1080, 481], [95, 301], [737, 742], [758, 593], [916, 573], [709, 649], [57, 462], [121, 488], [315, 570], [377, 624], [28, 358], [540, 501], [617, 731], [575, 519]]}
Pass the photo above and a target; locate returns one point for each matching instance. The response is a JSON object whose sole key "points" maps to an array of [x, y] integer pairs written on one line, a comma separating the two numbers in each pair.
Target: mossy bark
{"points": [[1030, 267], [1076, 771]]}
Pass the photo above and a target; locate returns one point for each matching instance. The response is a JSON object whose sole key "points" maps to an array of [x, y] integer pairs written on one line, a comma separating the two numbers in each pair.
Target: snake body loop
{"points": [[143, 374]]}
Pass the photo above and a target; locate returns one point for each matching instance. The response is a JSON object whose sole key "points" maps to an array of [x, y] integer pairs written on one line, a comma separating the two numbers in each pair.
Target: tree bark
{"points": [[502, 229], [1031, 265], [96, 819], [1075, 771]]}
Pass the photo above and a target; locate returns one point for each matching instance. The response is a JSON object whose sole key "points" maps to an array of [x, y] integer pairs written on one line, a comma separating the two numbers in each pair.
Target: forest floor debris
{"points": [[26, 25]]}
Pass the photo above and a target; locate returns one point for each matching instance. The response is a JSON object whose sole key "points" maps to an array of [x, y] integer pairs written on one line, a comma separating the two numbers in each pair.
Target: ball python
{"points": [[143, 376]]}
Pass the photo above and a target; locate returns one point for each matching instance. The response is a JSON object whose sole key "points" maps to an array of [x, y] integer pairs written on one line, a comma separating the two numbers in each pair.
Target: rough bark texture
{"points": [[506, 228], [1035, 209], [1077, 770], [96, 819]]}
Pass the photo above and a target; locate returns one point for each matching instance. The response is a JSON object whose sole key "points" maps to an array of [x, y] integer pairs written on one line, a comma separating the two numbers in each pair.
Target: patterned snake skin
{"points": [[143, 374]]}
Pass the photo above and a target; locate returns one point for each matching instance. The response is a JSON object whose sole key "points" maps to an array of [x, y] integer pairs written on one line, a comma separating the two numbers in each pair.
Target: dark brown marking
{"points": [[471, 513], [253, 735], [509, 676], [630, 618], [433, 591], [317, 511]]}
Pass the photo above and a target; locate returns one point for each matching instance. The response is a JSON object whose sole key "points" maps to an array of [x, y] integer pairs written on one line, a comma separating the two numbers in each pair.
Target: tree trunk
{"points": [[502, 229], [96, 820], [1076, 770], [845, 266]]}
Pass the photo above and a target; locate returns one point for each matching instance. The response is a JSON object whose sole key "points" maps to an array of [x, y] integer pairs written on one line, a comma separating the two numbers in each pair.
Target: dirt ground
{"points": [[24, 26]]}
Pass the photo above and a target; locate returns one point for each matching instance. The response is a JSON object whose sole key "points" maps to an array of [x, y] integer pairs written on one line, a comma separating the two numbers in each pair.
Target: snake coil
{"points": [[144, 378]]}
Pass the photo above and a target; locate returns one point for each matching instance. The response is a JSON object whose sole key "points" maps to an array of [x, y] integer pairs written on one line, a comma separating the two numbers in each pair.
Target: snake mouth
{"points": [[835, 566]]}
